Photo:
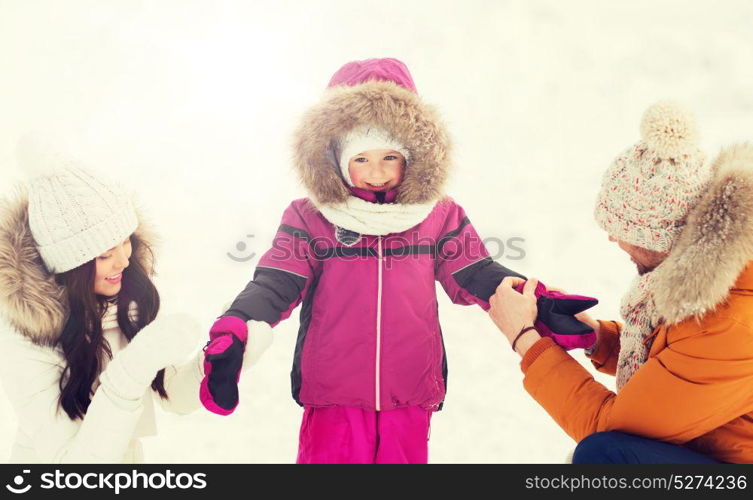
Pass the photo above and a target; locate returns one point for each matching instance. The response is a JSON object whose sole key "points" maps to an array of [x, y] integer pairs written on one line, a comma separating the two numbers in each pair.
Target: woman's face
{"points": [[110, 266], [377, 169]]}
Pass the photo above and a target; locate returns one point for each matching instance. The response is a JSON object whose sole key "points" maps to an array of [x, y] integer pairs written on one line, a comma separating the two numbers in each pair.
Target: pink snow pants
{"points": [[348, 435]]}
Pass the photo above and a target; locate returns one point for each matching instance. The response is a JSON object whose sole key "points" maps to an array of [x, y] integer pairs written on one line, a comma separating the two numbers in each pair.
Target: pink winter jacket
{"points": [[369, 330]]}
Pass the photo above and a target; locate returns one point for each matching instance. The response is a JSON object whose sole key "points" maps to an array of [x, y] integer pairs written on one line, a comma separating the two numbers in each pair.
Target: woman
{"points": [[85, 354]]}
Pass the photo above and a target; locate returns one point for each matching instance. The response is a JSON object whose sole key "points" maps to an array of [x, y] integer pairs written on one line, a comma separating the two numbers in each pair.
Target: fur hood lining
{"points": [[716, 244], [383, 104]]}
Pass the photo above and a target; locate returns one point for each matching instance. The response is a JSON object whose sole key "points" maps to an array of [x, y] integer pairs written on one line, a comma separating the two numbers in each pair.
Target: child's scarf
{"points": [[378, 219]]}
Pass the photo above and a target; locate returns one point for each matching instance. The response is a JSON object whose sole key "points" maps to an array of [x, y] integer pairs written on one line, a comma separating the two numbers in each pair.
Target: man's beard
{"points": [[643, 269]]}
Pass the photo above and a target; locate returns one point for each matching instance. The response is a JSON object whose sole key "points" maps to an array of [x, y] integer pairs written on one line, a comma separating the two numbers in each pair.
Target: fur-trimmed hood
{"points": [[384, 104], [30, 299], [715, 246]]}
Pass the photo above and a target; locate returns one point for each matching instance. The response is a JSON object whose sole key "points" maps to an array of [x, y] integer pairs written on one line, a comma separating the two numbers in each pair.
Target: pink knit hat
{"points": [[385, 69], [648, 190]]}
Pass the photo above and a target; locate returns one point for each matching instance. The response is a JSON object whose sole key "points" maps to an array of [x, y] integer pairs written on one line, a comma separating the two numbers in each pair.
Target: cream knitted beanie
{"points": [[648, 190], [74, 216]]}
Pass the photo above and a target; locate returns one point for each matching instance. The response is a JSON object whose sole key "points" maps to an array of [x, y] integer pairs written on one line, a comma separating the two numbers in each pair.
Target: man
{"points": [[684, 355]]}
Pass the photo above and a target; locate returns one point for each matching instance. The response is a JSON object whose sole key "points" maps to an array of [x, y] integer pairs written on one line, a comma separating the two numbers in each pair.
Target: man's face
{"points": [[645, 260]]}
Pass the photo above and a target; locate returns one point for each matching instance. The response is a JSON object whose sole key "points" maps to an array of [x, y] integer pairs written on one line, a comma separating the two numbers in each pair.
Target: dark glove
{"points": [[223, 359], [556, 317]]}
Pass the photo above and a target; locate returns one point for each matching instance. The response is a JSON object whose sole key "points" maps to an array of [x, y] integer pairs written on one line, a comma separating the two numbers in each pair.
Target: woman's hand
{"points": [[167, 340], [512, 311]]}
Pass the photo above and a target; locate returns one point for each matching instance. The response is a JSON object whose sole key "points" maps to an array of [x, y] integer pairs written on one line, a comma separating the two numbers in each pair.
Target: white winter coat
{"points": [[34, 309]]}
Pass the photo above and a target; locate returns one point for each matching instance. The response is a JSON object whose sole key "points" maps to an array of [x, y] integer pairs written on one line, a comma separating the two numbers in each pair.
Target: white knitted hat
{"points": [[648, 190], [73, 215], [364, 139]]}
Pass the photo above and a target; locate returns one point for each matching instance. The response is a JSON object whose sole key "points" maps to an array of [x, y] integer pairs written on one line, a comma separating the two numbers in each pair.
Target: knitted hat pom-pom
{"points": [[40, 156], [669, 129]]}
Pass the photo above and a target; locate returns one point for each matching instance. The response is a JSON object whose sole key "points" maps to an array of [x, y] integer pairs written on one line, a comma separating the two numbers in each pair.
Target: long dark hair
{"points": [[82, 340]]}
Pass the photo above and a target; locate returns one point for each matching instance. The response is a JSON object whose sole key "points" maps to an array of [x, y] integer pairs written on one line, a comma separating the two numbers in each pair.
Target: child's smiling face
{"points": [[376, 169]]}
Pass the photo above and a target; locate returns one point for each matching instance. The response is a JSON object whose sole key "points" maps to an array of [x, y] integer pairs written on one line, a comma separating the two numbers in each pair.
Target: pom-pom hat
{"points": [[647, 191]]}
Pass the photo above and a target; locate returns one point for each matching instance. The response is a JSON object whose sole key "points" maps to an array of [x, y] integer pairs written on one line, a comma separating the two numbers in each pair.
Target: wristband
{"points": [[523, 331]]}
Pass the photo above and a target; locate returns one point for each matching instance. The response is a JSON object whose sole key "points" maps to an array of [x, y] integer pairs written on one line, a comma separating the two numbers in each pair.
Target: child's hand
{"points": [[559, 316], [581, 316], [512, 311], [223, 359]]}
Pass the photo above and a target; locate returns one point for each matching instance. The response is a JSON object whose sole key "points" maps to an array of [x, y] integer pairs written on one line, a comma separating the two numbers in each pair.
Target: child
{"points": [[362, 254]]}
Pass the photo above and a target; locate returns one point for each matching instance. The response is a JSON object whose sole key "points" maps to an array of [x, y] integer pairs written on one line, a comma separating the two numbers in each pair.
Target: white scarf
{"points": [[639, 312], [363, 217], [110, 317]]}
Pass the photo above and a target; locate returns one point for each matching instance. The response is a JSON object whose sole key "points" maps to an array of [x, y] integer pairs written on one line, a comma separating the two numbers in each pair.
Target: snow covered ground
{"points": [[192, 104]]}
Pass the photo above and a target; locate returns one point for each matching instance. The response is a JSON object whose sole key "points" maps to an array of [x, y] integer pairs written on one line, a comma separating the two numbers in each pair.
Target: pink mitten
{"points": [[556, 317], [223, 359]]}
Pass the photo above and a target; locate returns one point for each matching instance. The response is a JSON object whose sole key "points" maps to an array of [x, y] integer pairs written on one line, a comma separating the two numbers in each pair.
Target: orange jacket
{"points": [[696, 389]]}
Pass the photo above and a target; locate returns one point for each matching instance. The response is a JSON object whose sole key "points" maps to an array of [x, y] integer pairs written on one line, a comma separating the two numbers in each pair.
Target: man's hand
{"points": [[512, 311]]}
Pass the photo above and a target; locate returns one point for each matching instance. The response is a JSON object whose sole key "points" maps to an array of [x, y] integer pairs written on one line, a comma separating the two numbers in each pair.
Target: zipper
{"points": [[378, 320]]}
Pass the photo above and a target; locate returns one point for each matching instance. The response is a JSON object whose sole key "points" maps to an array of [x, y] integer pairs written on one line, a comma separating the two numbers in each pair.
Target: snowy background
{"points": [[192, 104]]}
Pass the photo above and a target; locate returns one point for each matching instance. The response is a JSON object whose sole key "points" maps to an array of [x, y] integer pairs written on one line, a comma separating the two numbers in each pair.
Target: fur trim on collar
{"points": [[383, 104], [715, 245], [30, 299]]}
